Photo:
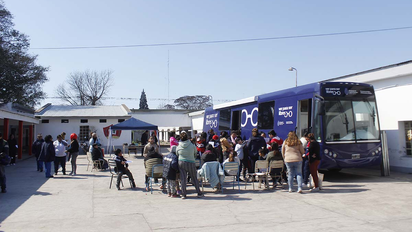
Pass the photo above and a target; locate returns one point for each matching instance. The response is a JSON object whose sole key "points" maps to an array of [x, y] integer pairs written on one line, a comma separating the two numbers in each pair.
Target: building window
{"points": [[266, 115], [84, 133], [65, 121], [120, 120], [84, 120], [103, 120], [408, 137], [45, 121]]}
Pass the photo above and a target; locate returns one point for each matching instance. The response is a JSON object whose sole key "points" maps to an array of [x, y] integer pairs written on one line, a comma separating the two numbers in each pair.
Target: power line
{"points": [[136, 99], [222, 41]]}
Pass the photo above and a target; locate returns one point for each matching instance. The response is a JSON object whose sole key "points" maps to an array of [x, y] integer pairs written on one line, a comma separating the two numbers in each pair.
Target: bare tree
{"points": [[197, 102], [85, 88]]}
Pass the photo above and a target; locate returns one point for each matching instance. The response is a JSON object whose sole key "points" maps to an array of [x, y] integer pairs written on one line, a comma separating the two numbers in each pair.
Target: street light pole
{"points": [[291, 69]]}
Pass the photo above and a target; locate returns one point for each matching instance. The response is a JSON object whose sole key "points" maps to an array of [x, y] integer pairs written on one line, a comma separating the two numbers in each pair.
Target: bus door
{"points": [[304, 120]]}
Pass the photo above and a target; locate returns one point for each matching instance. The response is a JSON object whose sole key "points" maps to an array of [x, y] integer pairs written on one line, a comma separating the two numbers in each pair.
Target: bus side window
{"points": [[224, 120], [266, 115]]}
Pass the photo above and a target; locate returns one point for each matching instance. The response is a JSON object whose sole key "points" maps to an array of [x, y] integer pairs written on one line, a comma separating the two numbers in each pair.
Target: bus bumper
{"points": [[331, 163]]}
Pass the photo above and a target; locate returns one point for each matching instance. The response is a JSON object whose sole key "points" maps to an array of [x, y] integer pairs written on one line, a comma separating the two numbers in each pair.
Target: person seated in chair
{"points": [[97, 155], [122, 168], [232, 158], [150, 160], [275, 155], [208, 155]]}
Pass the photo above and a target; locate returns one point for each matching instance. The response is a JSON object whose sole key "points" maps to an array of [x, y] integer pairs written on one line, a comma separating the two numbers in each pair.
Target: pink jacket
{"points": [[173, 142]]}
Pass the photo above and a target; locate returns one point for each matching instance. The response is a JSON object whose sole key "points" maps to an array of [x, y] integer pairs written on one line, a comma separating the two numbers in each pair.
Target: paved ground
{"points": [[353, 200]]}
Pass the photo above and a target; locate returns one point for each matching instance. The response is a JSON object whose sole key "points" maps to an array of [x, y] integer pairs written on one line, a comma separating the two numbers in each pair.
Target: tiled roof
{"points": [[83, 111]]}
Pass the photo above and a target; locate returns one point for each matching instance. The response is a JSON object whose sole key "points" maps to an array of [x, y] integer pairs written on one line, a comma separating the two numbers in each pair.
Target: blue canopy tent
{"points": [[134, 124], [131, 124]]}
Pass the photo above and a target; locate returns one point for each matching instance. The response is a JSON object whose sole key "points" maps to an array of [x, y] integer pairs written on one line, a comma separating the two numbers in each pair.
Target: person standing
{"points": [[36, 149], [233, 137], [47, 154], [170, 170], [12, 148], [305, 160], [292, 151], [93, 140], [211, 133], [255, 143], [60, 146], [227, 148], [275, 138], [187, 153], [144, 139], [314, 160], [73, 153], [173, 140], [4, 152]]}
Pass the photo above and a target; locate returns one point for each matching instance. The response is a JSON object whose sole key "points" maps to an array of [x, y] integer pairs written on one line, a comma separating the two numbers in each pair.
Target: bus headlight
{"points": [[379, 148], [373, 153], [330, 153], [326, 151], [376, 151], [334, 155]]}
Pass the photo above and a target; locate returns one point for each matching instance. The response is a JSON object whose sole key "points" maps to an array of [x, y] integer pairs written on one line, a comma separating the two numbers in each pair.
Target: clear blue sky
{"points": [[225, 71]]}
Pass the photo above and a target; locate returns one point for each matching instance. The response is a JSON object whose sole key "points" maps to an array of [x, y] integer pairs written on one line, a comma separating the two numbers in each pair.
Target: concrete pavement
{"points": [[353, 200]]}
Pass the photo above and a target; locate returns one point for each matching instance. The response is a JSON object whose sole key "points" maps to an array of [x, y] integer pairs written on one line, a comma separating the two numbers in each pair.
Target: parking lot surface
{"points": [[352, 200]]}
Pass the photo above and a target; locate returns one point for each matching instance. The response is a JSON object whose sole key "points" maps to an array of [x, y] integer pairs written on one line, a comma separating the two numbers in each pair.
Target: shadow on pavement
{"points": [[364, 175], [23, 181]]}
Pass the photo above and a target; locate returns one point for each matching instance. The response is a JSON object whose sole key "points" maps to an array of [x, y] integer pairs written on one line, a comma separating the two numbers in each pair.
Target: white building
{"points": [[393, 84], [55, 119], [166, 120]]}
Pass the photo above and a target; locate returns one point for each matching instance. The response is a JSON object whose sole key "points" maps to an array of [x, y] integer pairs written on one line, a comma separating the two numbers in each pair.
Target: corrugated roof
{"points": [[83, 111], [397, 65]]}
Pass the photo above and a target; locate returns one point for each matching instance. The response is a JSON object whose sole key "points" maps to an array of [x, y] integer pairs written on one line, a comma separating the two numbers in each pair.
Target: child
{"points": [[239, 150], [170, 169], [200, 145], [262, 156], [122, 168]]}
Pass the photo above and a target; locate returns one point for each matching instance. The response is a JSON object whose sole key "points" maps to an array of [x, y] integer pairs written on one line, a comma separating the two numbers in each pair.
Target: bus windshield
{"points": [[347, 120]]}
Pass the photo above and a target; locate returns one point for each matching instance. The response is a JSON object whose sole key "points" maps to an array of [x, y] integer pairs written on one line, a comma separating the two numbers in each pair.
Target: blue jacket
{"points": [[36, 147], [170, 166], [48, 152], [254, 144], [212, 172]]}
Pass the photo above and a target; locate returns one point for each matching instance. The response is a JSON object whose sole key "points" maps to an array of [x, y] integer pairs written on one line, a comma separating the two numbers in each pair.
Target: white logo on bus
{"points": [[286, 111], [333, 91], [211, 120], [249, 116]]}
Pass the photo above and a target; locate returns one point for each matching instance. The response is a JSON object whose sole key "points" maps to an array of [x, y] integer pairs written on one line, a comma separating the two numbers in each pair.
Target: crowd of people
{"points": [[57, 152], [300, 156]]}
